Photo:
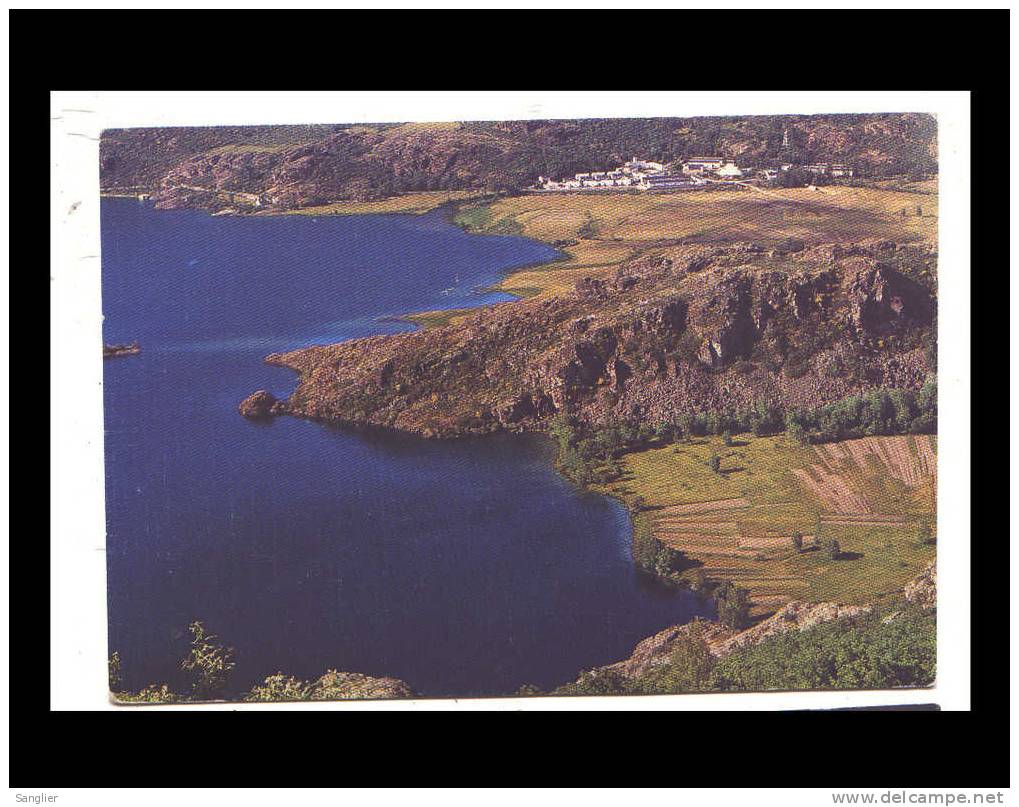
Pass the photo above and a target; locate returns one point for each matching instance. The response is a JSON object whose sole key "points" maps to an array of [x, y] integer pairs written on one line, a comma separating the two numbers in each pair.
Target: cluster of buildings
{"points": [[825, 169], [646, 174], [695, 172], [635, 173]]}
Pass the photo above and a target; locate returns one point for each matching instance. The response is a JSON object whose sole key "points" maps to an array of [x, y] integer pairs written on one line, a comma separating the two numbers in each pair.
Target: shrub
{"points": [[153, 693], [279, 687], [924, 533], [208, 663], [690, 668], [114, 671], [797, 541]]}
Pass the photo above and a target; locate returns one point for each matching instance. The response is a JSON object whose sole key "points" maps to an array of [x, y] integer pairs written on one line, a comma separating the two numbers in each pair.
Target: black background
{"points": [[442, 50]]}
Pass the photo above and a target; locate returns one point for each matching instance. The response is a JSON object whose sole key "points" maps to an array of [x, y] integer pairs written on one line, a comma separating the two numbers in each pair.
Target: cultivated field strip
{"points": [[834, 491], [839, 477], [868, 493]]}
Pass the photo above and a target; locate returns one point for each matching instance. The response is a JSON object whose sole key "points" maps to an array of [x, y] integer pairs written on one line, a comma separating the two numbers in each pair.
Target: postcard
{"points": [[600, 406]]}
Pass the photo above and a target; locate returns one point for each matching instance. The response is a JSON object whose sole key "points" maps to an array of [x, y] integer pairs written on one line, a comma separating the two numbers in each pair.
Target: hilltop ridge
{"points": [[298, 166]]}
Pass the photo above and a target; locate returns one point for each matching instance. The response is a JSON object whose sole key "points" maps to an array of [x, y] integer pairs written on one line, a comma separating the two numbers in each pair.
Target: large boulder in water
{"points": [[261, 405]]}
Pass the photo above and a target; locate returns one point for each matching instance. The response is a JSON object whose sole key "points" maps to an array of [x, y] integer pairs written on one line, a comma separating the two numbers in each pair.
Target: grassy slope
{"points": [[751, 544], [420, 202], [610, 228]]}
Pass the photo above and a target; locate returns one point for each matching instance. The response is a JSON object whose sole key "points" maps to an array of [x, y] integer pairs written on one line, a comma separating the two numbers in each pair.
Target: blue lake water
{"points": [[466, 567]]}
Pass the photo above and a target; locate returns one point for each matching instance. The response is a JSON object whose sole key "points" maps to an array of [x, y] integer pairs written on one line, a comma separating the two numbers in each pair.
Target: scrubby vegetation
{"points": [[867, 653], [589, 455], [345, 161], [209, 665], [884, 649], [869, 414]]}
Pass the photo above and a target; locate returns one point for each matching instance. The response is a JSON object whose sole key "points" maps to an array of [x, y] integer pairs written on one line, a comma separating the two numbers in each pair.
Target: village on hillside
{"points": [[693, 173]]}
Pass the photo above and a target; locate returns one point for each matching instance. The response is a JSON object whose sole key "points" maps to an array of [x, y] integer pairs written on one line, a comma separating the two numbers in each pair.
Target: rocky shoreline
{"points": [[689, 330], [656, 650]]}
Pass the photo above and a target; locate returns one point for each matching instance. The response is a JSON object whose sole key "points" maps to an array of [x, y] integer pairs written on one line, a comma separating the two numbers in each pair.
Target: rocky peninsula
{"points": [[684, 330]]}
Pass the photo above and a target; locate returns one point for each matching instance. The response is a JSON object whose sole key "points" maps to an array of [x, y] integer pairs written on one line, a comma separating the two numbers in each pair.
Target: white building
{"points": [[637, 165], [699, 164], [633, 173], [729, 171], [661, 181]]}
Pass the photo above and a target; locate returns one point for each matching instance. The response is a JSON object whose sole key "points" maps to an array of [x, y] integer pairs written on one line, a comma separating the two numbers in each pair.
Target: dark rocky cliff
{"points": [[686, 330]]}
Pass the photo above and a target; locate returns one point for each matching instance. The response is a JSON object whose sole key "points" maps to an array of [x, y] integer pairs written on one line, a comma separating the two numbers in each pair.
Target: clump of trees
{"points": [[733, 605], [588, 455], [866, 653], [652, 555], [872, 413]]}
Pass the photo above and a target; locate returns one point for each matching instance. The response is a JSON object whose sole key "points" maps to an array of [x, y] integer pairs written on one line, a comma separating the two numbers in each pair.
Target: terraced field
{"points": [[870, 495]]}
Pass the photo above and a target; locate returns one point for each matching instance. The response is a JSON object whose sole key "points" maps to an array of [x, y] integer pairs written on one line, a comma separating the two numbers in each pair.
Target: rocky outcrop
{"points": [[721, 641], [793, 616], [294, 166], [261, 405], [923, 590], [115, 351], [649, 344], [355, 686]]}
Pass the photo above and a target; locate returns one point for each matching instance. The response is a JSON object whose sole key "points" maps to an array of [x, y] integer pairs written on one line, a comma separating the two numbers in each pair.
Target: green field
{"points": [[737, 523]]}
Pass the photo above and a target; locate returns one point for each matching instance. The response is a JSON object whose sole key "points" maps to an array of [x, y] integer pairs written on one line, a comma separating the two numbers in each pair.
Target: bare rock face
{"points": [[261, 405], [721, 641], [656, 649], [792, 616], [650, 343], [924, 589]]}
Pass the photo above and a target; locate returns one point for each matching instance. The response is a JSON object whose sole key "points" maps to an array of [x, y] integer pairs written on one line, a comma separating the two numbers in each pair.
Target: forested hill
{"points": [[301, 165]]}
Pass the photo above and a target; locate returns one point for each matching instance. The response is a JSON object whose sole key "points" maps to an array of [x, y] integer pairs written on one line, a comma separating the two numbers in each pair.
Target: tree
{"points": [[733, 606], [727, 437], [208, 662], [691, 662], [715, 463], [834, 550], [797, 541], [924, 533]]}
